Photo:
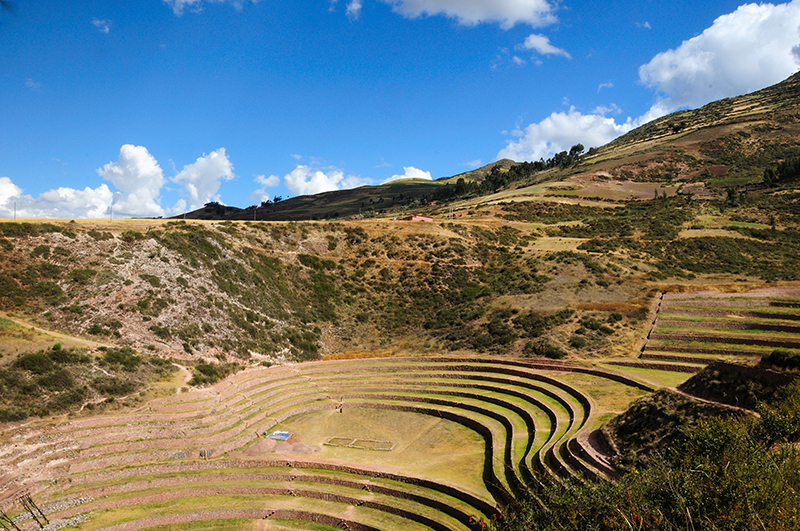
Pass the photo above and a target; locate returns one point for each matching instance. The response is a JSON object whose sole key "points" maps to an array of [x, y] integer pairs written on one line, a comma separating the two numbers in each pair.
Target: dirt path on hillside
{"points": [[79, 341]]}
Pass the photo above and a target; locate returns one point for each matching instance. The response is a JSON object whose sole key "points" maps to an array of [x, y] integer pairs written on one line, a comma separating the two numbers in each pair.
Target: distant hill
{"points": [[727, 142], [394, 197], [700, 152], [479, 175]]}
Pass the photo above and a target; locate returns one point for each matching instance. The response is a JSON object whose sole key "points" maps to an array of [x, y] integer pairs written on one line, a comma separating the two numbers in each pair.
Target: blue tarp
{"points": [[280, 435]]}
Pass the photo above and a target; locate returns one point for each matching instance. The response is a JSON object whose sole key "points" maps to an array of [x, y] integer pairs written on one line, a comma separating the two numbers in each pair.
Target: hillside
{"points": [[542, 301]]}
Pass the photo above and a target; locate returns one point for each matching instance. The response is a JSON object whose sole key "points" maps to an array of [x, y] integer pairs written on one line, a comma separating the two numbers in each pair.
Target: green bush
{"points": [[57, 380], [151, 279], [578, 342], [124, 357], [41, 250], [542, 347], [98, 330], [782, 359], [719, 474], [81, 276], [36, 362], [113, 386]]}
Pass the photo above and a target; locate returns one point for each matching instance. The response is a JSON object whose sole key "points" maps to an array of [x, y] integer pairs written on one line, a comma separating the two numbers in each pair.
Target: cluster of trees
{"points": [[499, 178], [787, 171]]}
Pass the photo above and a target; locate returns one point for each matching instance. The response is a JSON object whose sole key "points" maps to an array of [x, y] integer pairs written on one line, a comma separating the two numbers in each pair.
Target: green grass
{"points": [[223, 525], [426, 446]]}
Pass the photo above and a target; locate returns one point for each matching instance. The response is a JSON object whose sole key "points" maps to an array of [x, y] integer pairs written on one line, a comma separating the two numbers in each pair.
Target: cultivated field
{"points": [[700, 328], [417, 443]]}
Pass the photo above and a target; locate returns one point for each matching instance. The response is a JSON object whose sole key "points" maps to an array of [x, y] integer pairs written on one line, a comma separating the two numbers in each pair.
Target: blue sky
{"points": [[159, 106]]}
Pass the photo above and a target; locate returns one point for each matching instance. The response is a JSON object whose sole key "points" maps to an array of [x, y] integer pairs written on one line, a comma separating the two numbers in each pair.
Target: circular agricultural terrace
{"points": [[379, 444]]}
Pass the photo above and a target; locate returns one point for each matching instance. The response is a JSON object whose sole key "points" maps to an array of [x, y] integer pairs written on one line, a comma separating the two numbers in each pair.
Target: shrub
{"points": [[578, 342], [782, 358], [98, 330], [13, 413], [81, 276], [543, 347], [59, 355], [151, 279], [132, 236], [125, 357], [41, 250], [58, 380], [113, 386], [37, 363]]}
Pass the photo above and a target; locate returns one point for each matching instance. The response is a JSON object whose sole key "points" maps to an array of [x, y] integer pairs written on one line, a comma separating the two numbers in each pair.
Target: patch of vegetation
{"points": [[704, 470], [100, 236], [209, 373], [730, 384], [151, 279], [58, 380], [81, 276]]}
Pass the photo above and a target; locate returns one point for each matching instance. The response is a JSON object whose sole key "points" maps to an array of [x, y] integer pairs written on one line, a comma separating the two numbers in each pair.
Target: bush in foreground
{"points": [[720, 475]]}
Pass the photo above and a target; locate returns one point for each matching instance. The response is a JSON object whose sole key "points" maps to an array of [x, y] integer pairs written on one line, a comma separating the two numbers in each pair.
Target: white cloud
{"points": [[473, 163], [602, 109], [755, 46], [179, 5], [644, 25], [197, 5], [266, 182], [201, 180], [354, 9], [33, 85], [605, 85], [562, 130], [751, 48], [305, 180], [8, 191], [410, 173], [507, 13], [59, 203], [263, 180], [295, 156], [139, 179], [541, 45], [104, 26]]}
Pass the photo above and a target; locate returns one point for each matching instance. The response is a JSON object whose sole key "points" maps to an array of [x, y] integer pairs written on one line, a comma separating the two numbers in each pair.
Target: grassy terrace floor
{"points": [[703, 328], [465, 435]]}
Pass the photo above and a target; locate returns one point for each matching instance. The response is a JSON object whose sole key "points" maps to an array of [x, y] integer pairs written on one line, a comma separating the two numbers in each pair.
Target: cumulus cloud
{"points": [[139, 179], [541, 45], [411, 173], [202, 179], [305, 180], [104, 26], [753, 47], [8, 192], [562, 130], [507, 13], [58, 203], [263, 180], [266, 182]]}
